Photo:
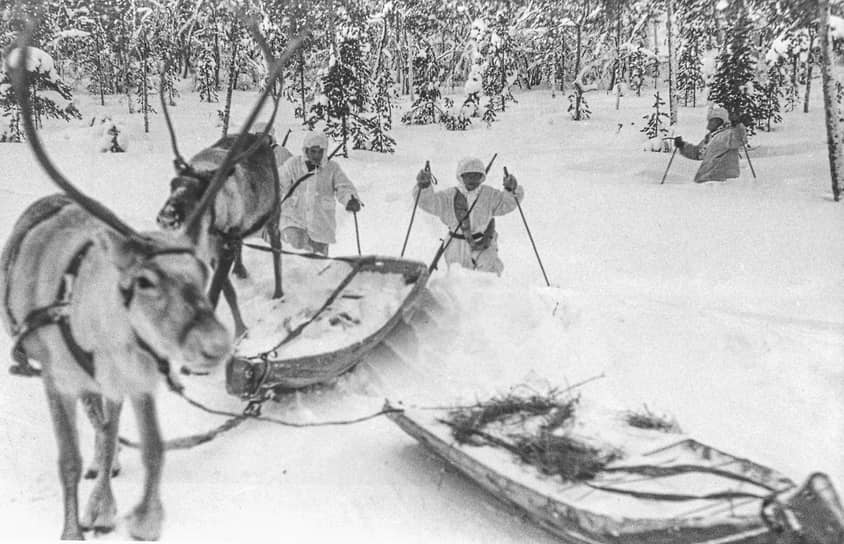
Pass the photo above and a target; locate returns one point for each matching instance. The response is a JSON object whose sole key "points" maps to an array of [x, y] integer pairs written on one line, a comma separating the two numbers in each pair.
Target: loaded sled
{"points": [[666, 488]]}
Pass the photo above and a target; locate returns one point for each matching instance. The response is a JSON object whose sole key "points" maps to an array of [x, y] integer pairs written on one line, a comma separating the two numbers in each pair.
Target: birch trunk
{"points": [[833, 125], [672, 98]]}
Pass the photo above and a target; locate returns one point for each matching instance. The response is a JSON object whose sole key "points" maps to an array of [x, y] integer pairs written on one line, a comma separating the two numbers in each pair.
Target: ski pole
{"points": [[667, 168], [444, 244], [746, 154], [413, 213], [527, 228], [357, 232]]}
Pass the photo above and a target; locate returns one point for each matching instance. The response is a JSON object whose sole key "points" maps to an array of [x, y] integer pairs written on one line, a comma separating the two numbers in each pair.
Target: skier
{"points": [[307, 217], [475, 242], [719, 149]]}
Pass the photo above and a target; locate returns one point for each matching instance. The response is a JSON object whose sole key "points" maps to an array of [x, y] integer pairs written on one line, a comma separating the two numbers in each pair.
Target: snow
{"points": [[37, 60], [362, 308], [719, 304]]}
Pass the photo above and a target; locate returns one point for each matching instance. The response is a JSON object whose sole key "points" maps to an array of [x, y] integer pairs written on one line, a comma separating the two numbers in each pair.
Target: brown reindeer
{"points": [[244, 206], [247, 203], [104, 309]]}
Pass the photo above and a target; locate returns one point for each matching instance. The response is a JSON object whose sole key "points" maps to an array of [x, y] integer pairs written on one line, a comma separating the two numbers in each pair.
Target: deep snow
{"points": [[720, 304]]}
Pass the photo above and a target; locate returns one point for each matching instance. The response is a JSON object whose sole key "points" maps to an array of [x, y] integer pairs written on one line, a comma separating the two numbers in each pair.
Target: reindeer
{"points": [[104, 309], [247, 203], [244, 205]]}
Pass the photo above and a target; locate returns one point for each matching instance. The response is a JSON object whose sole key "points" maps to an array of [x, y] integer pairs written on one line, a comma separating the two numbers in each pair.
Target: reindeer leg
{"points": [[63, 414], [101, 511], [231, 300], [239, 270], [221, 274], [145, 520], [94, 410], [275, 243]]}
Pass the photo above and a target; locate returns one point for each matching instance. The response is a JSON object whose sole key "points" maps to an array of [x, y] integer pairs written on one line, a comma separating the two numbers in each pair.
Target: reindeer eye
{"points": [[144, 282]]}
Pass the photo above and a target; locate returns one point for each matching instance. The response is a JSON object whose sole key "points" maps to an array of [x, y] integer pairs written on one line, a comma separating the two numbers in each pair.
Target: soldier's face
{"points": [[713, 124], [314, 154], [472, 179]]}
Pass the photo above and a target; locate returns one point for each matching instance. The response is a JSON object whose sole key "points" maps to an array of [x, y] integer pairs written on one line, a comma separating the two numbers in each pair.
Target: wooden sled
{"points": [[679, 491], [322, 341]]}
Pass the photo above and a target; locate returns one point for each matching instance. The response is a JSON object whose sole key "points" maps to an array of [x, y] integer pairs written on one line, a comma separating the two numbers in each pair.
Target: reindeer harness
{"points": [[57, 314]]}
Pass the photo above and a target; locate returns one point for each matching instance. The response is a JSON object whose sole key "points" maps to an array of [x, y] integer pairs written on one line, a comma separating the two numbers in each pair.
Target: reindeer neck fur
{"points": [[246, 199]]}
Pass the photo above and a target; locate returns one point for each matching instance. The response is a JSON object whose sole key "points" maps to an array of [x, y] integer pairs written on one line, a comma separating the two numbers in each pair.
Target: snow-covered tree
{"points": [[732, 83], [656, 121], [426, 109], [346, 91]]}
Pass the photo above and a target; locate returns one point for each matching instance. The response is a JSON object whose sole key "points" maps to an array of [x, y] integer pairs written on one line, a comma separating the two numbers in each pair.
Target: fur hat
{"points": [[315, 139], [717, 112], [470, 164]]}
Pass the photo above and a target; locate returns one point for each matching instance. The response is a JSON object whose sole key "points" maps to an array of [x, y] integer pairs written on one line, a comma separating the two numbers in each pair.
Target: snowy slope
{"points": [[720, 304]]}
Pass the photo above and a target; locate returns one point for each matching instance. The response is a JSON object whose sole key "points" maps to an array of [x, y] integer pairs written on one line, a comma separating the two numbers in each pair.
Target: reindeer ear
{"points": [[120, 250]]}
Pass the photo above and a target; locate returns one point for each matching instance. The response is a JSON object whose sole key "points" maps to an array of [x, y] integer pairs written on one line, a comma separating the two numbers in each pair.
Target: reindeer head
{"points": [[186, 190], [161, 284]]}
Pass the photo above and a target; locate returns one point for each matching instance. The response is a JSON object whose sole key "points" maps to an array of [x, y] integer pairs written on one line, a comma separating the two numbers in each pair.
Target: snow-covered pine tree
{"points": [[347, 95], [42, 77], [771, 93], [689, 70], [426, 109], [205, 76], [736, 66], [656, 122], [382, 102]]}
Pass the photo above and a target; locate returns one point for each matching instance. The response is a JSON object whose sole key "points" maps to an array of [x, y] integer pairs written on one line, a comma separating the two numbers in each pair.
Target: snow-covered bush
{"points": [[111, 135]]}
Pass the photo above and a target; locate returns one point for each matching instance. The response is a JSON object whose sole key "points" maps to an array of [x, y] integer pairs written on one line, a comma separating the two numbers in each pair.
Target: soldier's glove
{"points": [[423, 179], [510, 182], [678, 142], [353, 205]]}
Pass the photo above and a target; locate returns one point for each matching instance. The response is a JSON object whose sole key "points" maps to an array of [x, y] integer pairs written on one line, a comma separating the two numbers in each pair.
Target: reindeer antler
{"points": [[19, 81], [223, 172], [179, 161]]}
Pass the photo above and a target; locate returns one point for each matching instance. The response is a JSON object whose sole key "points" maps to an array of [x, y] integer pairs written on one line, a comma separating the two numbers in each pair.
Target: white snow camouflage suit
{"points": [[482, 253], [719, 151], [311, 207]]}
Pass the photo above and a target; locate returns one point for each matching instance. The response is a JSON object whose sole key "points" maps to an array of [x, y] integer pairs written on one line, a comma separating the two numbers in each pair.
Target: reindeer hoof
{"points": [[72, 535], [145, 522], [101, 512]]}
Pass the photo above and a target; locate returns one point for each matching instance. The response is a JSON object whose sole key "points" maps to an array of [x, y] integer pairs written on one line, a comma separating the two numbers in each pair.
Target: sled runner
{"points": [[340, 309], [664, 488]]}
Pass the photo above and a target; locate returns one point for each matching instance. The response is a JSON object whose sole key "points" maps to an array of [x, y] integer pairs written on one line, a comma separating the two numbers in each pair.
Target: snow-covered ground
{"points": [[720, 304]]}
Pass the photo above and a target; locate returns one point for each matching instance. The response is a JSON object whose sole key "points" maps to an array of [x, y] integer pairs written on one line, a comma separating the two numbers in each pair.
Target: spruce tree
{"points": [[426, 84], [656, 121], [345, 88], [689, 73], [735, 67]]}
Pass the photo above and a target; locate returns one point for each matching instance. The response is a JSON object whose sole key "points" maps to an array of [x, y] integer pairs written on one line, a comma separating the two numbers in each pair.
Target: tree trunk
{"points": [[144, 89], [833, 125], [232, 80], [809, 63], [302, 86], [100, 74], [656, 53], [672, 98]]}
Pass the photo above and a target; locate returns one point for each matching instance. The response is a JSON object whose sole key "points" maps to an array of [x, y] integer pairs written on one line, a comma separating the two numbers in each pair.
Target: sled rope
{"points": [[252, 411]]}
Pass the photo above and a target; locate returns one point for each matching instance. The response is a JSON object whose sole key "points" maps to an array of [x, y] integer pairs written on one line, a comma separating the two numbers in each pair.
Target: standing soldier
{"points": [[307, 217], [475, 241], [719, 149]]}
